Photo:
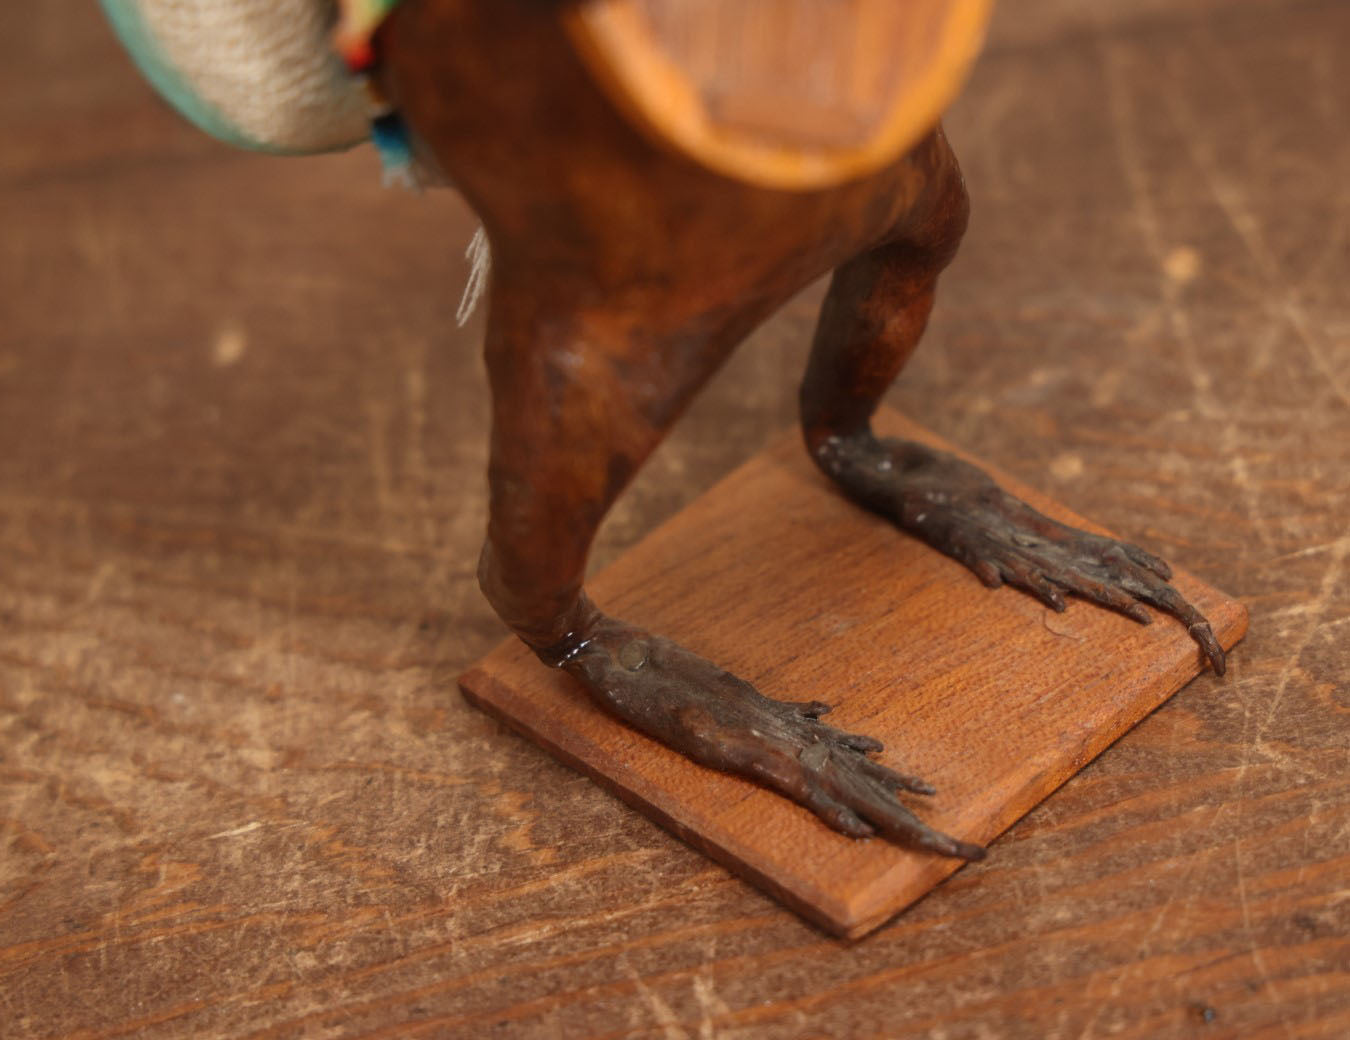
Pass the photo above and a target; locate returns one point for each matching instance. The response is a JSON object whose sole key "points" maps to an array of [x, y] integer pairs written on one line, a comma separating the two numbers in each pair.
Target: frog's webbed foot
{"points": [[958, 509], [722, 721]]}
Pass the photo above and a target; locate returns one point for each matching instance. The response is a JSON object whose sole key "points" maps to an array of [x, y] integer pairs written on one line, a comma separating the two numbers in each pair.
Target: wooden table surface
{"points": [[242, 451]]}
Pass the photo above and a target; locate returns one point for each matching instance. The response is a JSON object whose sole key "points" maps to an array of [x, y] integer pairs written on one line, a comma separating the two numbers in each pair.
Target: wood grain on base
{"points": [[992, 697]]}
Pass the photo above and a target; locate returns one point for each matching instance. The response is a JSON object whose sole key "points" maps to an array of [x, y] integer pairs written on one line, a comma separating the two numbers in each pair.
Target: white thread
{"points": [[479, 255]]}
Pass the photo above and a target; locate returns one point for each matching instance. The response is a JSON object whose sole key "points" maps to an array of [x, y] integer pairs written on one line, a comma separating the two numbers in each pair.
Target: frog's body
{"points": [[628, 264]]}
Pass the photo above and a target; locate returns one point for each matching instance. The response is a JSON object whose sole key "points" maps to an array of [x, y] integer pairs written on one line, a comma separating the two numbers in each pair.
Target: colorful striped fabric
{"points": [[357, 22]]}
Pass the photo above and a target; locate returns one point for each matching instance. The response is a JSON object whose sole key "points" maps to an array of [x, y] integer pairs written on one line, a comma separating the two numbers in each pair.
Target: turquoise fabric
{"points": [[169, 81]]}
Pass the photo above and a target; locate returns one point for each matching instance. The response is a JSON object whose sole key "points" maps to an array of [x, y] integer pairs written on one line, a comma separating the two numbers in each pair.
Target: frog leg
{"points": [[579, 401], [871, 320]]}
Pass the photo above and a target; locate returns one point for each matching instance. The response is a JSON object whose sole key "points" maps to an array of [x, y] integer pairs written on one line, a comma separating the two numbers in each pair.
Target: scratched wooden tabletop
{"points": [[242, 451]]}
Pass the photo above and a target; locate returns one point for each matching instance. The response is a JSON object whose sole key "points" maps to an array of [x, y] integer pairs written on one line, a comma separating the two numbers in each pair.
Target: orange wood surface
{"points": [[991, 696]]}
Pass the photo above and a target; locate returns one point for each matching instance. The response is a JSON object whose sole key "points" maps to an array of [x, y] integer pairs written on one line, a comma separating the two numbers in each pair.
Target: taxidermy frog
{"points": [[656, 177]]}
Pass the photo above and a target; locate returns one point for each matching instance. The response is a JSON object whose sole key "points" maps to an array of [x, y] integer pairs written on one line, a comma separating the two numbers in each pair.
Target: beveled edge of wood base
{"points": [[648, 799], [869, 910], [871, 907]]}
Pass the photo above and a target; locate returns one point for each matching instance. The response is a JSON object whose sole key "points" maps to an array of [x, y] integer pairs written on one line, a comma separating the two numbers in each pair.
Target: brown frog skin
{"points": [[624, 274]]}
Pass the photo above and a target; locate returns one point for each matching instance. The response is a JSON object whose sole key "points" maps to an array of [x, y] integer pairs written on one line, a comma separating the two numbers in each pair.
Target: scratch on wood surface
{"points": [[1123, 123], [415, 394], [1122, 979], [515, 806], [102, 575], [661, 1011], [711, 1006], [382, 482], [425, 523], [236, 831], [1310, 619], [1232, 201], [527, 933], [1321, 61], [169, 517], [1253, 948]]}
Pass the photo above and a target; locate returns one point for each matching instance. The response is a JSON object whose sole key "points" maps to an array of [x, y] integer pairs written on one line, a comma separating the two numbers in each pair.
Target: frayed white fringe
{"points": [[400, 176], [479, 255]]}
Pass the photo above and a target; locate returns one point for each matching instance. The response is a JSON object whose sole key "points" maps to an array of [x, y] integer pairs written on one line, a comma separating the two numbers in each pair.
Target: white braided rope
{"points": [[267, 66], [269, 70]]}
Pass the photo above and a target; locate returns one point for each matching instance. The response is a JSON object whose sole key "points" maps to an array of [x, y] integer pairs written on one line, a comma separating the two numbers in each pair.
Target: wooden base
{"points": [[773, 575]]}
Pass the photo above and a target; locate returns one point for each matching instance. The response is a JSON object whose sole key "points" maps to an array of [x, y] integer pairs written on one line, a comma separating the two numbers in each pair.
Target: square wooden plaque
{"points": [[773, 575]]}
